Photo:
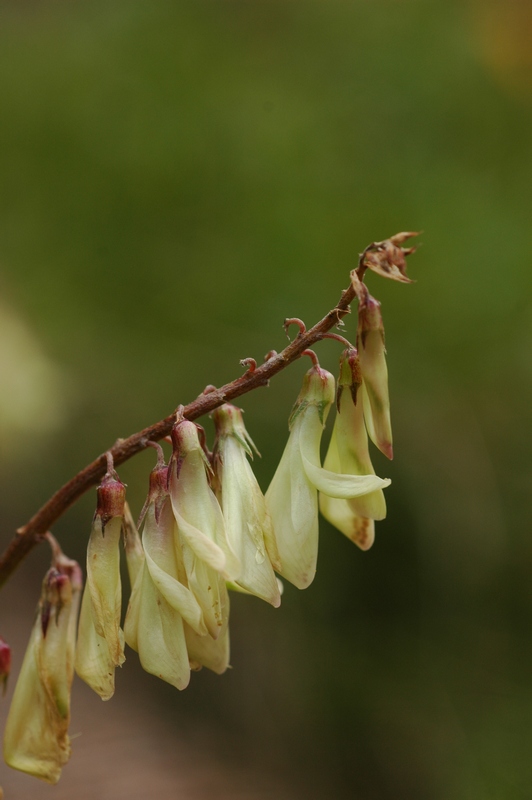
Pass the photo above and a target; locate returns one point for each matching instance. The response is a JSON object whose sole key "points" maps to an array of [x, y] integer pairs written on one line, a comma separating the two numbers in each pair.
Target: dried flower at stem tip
{"points": [[388, 258], [36, 737]]}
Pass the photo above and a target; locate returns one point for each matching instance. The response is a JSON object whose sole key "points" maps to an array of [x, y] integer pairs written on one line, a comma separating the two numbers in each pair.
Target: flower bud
{"points": [[292, 496], [36, 736], [248, 524], [5, 663], [372, 355]]}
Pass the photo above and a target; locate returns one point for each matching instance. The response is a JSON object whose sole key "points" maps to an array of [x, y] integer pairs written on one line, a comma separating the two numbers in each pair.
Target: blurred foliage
{"points": [[178, 177]]}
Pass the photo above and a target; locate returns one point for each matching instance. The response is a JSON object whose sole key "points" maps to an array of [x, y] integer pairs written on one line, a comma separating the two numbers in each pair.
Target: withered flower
{"points": [[36, 736], [388, 258]]}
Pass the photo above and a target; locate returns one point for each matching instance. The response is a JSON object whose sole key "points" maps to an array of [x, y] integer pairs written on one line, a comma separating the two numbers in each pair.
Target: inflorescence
{"points": [[207, 528]]}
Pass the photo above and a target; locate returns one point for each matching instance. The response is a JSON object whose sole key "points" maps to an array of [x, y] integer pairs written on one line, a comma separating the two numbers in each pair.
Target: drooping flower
{"points": [[36, 736], [348, 454], [207, 555], [103, 564], [292, 496], [248, 524], [372, 355], [100, 639], [161, 605]]}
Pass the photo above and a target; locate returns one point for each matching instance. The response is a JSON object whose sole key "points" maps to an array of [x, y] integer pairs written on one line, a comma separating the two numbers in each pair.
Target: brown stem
{"points": [[31, 533]]}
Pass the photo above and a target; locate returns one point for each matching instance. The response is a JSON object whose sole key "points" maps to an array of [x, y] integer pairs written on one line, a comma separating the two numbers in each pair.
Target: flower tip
{"points": [[363, 533], [387, 449]]}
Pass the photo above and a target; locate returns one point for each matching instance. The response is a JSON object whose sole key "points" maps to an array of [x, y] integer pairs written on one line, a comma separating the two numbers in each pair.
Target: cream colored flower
{"points": [[248, 524], [160, 602], [100, 646], [103, 565], [348, 454], [372, 355], [292, 497], [36, 736], [207, 555]]}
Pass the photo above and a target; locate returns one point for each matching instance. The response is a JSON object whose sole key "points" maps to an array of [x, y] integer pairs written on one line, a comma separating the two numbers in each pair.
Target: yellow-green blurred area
{"points": [[179, 177]]}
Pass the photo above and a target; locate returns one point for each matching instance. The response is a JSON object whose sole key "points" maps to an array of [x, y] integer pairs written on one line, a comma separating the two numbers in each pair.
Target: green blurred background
{"points": [[179, 177]]}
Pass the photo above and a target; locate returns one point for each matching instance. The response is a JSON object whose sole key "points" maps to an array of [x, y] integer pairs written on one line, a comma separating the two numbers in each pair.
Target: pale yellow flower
{"points": [[208, 557], [248, 524], [348, 453], [36, 736], [292, 497], [161, 604]]}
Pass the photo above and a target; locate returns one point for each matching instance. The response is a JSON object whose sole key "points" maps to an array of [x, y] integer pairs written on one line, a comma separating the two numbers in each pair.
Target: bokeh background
{"points": [[177, 178]]}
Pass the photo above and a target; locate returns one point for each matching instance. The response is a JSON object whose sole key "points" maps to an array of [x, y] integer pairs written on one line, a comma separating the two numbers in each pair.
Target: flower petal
{"points": [[160, 636], [246, 519], [339, 513], [103, 580], [94, 664], [343, 486], [158, 541], [293, 506]]}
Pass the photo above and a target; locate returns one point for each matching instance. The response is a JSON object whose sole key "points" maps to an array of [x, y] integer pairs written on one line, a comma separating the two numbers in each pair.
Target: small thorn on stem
{"points": [[179, 415], [251, 365], [312, 355], [294, 321], [160, 452], [209, 388], [270, 354]]}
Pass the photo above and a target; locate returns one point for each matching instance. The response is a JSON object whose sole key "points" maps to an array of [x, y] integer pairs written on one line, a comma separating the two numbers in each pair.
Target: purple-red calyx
{"points": [[111, 497], [5, 662]]}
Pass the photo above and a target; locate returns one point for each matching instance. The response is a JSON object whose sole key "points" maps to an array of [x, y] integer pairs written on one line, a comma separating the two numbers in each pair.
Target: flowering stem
{"points": [[33, 531]]}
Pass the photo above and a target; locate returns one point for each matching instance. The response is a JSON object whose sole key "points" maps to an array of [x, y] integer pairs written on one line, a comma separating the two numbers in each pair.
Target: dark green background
{"points": [[177, 178]]}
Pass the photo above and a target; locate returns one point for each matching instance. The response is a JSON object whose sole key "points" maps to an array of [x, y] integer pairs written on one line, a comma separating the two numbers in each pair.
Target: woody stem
{"points": [[32, 532]]}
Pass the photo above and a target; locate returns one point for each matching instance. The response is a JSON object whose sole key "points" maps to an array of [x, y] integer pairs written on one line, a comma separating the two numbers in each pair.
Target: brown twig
{"points": [[32, 532]]}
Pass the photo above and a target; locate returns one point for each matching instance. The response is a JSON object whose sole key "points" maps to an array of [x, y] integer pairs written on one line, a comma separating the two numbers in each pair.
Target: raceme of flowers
{"points": [[206, 528]]}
